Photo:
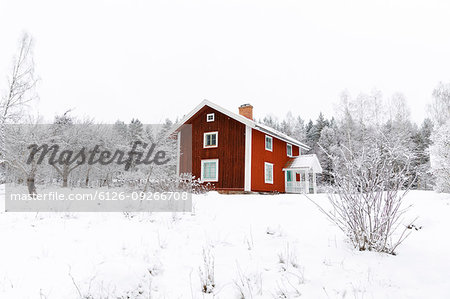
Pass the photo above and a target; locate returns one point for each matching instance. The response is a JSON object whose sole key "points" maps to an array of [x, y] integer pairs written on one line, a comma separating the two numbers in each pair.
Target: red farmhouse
{"points": [[234, 153]]}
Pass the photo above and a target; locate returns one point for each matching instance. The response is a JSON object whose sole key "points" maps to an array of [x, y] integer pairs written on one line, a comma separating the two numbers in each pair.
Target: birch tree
{"points": [[21, 83]]}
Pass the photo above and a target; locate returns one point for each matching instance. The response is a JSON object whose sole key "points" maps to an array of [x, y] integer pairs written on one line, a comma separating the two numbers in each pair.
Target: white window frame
{"points": [[287, 151], [267, 164], [210, 133], [217, 170], [271, 143], [208, 119]]}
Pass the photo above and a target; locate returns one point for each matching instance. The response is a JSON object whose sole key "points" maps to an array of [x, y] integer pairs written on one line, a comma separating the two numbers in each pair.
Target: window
{"points": [[210, 139], [210, 170], [289, 176], [210, 117], [269, 145], [289, 150], [268, 173]]}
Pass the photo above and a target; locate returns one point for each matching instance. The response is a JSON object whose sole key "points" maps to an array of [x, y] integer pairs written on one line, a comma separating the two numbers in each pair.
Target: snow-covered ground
{"points": [[266, 246]]}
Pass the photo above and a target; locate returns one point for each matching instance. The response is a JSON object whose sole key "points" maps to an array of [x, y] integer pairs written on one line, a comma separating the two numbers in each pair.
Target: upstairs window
{"points": [[289, 150], [269, 141], [210, 170], [210, 117], [268, 173], [210, 139]]}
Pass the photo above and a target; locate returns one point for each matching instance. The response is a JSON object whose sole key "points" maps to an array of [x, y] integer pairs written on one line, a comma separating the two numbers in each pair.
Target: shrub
{"points": [[367, 196]]}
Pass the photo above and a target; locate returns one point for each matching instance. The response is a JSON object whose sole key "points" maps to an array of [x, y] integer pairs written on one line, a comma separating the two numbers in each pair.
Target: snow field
{"points": [[263, 246]]}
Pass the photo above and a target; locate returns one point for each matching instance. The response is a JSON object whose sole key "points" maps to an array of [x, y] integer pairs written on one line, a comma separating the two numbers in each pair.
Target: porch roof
{"points": [[308, 162]]}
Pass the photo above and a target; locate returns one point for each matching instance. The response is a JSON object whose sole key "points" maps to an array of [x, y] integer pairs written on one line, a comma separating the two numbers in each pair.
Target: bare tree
{"points": [[366, 200], [439, 109], [440, 157], [21, 82], [21, 88]]}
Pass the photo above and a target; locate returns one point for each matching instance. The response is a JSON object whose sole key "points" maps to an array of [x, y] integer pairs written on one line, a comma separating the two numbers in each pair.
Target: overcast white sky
{"points": [[156, 59]]}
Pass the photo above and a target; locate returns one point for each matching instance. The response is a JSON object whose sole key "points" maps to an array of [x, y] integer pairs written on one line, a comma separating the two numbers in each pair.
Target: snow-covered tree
{"points": [[20, 88], [17, 152], [328, 142], [439, 109], [440, 157], [440, 149], [21, 82], [422, 141], [299, 131], [287, 125], [70, 136], [271, 121]]}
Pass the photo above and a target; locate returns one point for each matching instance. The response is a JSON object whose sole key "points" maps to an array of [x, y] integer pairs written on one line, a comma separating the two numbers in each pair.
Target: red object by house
{"points": [[234, 153]]}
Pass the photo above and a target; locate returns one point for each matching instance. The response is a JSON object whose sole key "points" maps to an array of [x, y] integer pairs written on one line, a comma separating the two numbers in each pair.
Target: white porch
{"points": [[300, 174]]}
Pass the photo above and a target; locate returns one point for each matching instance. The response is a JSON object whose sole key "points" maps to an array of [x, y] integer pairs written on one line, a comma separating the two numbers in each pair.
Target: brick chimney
{"points": [[246, 110]]}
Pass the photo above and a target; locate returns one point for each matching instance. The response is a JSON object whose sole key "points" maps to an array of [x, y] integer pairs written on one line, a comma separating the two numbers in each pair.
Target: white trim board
{"points": [[248, 159], [178, 152]]}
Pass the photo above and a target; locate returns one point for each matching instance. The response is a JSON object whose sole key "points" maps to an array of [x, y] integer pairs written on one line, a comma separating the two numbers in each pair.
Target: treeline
{"points": [[366, 121], [74, 152]]}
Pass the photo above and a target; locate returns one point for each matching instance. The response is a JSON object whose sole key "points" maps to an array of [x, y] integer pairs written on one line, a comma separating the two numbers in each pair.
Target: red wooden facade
{"points": [[230, 148], [278, 157]]}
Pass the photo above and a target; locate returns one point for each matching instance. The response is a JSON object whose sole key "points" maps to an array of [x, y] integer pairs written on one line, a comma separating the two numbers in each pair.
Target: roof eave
{"points": [[294, 142]]}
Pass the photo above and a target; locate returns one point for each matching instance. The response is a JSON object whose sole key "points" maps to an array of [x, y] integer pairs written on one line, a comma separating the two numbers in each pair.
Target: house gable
{"points": [[230, 149]]}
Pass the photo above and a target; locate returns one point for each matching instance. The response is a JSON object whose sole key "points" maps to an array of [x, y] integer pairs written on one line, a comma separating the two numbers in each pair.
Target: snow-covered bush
{"points": [[165, 182], [366, 198], [182, 183]]}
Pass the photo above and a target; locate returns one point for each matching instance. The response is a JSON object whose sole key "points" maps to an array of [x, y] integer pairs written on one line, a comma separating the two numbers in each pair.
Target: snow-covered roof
{"points": [[242, 119], [310, 162]]}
